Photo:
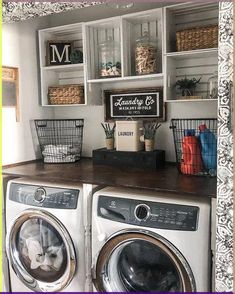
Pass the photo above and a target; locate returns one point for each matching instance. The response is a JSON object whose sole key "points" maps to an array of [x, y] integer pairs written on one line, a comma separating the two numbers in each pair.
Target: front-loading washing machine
{"points": [[45, 236], [150, 241]]}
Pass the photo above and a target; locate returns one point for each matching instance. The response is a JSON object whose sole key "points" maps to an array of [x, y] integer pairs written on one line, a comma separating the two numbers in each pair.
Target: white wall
{"points": [[19, 50], [93, 135]]}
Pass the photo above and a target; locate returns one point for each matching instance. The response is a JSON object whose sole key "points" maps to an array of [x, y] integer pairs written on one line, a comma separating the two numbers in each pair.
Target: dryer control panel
{"points": [[46, 197], [149, 214]]}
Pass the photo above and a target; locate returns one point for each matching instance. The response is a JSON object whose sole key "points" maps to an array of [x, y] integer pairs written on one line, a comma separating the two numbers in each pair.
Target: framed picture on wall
{"points": [[143, 103], [10, 89]]}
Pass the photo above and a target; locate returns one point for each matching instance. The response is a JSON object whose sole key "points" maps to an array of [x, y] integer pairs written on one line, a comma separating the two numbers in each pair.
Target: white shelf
{"points": [[125, 30], [193, 53], [61, 74], [66, 67], [65, 105], [191, 100], [157, 76]]}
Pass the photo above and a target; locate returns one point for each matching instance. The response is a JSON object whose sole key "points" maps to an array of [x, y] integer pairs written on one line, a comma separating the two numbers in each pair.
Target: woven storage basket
{"points": [[66, 94], [197, 38]]}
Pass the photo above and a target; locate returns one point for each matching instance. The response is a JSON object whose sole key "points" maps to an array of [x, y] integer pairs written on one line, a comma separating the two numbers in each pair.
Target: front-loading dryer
{"points": [[150, 241], [45, 236]]}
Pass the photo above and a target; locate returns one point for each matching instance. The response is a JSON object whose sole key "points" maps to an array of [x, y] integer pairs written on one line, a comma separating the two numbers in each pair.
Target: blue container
{"points": [[208, 149]]}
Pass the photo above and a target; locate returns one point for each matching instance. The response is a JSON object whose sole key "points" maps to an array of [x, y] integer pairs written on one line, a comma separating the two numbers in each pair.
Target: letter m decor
{"points": [[58, 52]]}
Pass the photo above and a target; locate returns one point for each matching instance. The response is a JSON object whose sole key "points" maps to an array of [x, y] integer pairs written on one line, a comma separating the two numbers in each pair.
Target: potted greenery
{"points": [[109, 133], [149, 135], [187, 86]]}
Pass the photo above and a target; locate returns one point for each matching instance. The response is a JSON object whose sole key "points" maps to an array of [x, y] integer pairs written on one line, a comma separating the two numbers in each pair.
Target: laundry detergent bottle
{"points": [[191, 154], [208, 149]]}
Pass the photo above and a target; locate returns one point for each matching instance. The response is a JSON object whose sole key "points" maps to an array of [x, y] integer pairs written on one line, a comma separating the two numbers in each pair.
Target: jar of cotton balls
{"points": [[109, 59]]}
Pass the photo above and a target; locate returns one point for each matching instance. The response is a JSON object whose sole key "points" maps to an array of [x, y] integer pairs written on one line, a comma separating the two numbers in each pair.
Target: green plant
{"points": [[150, 130], [187, 86], [109, 132]]}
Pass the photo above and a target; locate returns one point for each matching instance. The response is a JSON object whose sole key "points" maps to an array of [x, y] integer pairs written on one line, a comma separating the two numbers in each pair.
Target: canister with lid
{"points": [[109, 59], [146, 55]]}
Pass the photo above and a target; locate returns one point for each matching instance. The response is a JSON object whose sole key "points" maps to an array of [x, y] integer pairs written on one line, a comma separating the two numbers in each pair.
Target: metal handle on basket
{"points": [[172, 127], [78, 124], [43, 125]]}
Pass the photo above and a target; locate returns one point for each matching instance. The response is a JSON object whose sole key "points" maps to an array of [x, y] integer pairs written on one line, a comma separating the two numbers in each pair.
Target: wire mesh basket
{"points": [[195, 143], [60, 139]]}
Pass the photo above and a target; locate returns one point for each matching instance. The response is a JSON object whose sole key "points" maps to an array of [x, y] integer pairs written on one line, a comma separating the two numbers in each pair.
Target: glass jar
{"points": [[109, 59], [146, 55], [212, 86]]}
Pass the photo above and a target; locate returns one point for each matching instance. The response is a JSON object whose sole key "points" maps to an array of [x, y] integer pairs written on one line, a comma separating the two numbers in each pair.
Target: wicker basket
{"points": [[197, 38], [66, 94]]}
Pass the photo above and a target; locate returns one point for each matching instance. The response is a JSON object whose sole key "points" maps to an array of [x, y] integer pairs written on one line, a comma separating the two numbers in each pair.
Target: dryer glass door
{"points": [[41, 251], [137, 262]]}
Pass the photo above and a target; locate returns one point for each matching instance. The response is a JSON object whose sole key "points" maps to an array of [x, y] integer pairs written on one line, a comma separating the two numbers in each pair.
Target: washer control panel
{"points": [[47, 197], [149, 214]]}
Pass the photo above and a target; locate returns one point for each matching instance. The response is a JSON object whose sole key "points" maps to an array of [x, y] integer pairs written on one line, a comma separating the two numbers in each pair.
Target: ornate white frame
{"points": [[224, 227]]}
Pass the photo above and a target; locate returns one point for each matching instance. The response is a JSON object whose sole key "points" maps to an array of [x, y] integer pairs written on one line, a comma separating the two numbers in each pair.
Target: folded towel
{"points": [[57, 149], [60, 153], [55, 159]]}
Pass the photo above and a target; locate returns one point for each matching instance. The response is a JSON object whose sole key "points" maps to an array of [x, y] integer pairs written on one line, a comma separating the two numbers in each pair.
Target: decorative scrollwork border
{"points": [[224, 233]]}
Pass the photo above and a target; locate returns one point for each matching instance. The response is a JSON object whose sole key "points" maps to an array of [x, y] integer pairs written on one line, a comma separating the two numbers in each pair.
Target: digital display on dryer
{"points": [[160, 215]]}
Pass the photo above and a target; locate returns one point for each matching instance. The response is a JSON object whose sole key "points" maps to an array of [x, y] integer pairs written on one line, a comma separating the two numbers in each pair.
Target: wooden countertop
{"points": [[166, 179]]}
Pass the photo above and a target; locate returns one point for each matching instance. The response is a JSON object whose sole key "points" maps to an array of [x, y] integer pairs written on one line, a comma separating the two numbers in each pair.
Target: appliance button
{"points": [[179, 223], [142, 212], [40, 195], [182, 217]]}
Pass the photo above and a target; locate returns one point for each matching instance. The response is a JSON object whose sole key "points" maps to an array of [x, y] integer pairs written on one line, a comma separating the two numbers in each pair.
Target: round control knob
{"points": [[142, 212], [40, 195]]}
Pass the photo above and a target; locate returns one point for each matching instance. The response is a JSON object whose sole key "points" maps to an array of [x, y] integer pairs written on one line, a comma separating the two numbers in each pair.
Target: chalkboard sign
{"points": [[58, 52], [134, 103]]}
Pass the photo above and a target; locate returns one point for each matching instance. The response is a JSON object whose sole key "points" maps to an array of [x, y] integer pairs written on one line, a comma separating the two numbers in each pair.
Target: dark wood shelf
{"points": [[166, 179]]}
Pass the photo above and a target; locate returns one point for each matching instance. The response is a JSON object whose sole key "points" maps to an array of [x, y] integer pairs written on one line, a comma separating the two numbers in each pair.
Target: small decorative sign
{"points": [[134, 103], [58, 52], [10, 89]]}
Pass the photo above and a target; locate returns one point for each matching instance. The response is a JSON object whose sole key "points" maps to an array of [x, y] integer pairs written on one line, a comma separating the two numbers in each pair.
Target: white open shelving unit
{"points": [[61, 74], [171, 65], [195, 63]]}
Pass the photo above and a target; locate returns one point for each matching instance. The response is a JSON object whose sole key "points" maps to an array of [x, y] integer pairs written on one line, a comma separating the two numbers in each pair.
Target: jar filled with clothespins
{"points": [[146, 55]]}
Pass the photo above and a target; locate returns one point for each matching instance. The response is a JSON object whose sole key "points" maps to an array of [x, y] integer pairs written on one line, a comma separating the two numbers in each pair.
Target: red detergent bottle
{"points": [[191, 163]]}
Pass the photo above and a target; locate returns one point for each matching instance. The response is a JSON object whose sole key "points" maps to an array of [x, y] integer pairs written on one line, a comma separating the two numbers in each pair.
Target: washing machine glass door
{"points": [[136, 262], [41, 251]]}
